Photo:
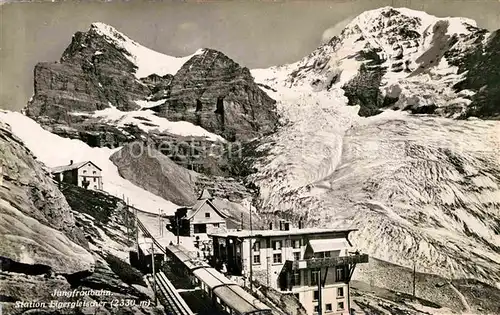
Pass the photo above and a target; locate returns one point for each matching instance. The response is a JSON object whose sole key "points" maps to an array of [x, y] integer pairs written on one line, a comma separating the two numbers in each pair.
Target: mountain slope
{"points": [[36, 223], [418, 187], [53, 151]]}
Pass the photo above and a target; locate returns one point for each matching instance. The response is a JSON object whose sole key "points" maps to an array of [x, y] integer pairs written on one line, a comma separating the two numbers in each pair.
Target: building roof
{"points": [[204, 198], [204, 195], [276, 233], [327, 245], [73, 166]]}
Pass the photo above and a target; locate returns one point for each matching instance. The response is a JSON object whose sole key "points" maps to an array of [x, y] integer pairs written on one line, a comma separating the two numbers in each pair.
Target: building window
{"points": [[256, 246], [207, 214], [94, 172], [340, 274], [216, 225], [296, 278], [340, 306], [277, 245], [256, 259], [277, 258], [316, 295], [328, 307], [316, 308], [314, 276], [328, 254], [84, 172], [95, 179], [296, 256], [95, 187], [340, 292], [296, 244]]}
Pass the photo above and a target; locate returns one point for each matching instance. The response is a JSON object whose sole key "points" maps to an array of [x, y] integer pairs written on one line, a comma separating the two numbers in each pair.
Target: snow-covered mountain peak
{"points": [[389, 53], [147, 60], [394, 20]]}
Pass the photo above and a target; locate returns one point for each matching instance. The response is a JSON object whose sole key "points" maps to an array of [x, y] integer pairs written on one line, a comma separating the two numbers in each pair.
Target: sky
{"points": [[255, 34]]}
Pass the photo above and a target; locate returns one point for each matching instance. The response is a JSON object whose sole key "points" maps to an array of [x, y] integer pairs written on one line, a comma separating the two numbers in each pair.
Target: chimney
{"points": [[282, 225], [301, 224], [287, 226], [70, 162]]}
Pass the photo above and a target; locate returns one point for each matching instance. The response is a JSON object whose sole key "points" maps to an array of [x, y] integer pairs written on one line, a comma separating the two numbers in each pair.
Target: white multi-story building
{"points": [[84, 174], [314, 264]]}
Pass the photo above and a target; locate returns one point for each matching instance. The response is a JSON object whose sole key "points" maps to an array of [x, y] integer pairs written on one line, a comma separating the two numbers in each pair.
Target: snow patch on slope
{"points": [[148, 121], [53, 151], [147, 61]]}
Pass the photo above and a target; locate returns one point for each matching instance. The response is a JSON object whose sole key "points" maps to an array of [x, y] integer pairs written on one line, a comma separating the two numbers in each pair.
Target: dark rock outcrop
{"points": [[91, 75], [214, 92], [363, 90], [158, 85], [482, 76]]}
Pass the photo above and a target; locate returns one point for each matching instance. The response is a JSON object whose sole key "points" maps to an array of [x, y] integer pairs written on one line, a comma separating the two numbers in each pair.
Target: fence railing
{"points": [[330, 262]]}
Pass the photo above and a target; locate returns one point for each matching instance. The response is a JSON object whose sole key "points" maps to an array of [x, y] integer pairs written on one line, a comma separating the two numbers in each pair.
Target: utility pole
{"points": [[320, 294], [136, 231], [159, 221], [127, 223], [414, 277], [251, 250], [154, 273], [242, 221], [177, 227]]}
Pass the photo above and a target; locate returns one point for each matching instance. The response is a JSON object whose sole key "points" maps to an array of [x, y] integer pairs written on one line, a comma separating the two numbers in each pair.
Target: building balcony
{"points": [[330, 261]]}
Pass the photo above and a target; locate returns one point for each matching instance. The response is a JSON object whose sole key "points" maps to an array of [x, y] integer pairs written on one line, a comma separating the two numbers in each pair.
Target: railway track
{"points": [[146, 233], [172, 299], [174, 302]]}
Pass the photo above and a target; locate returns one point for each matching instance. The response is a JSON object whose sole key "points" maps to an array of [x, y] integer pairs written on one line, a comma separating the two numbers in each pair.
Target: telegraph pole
{"points": [[136, 231], [320, 294], [251, 250], [154, 273], [159, 221], [414, 277], [177, 227]]}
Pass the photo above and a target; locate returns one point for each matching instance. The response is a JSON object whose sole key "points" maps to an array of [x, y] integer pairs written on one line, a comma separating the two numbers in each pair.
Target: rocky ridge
{"points": [[103, 69], [212, 91]]}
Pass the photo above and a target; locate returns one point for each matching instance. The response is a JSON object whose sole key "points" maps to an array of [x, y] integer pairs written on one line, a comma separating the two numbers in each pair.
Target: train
{"points": [[224, 294]]}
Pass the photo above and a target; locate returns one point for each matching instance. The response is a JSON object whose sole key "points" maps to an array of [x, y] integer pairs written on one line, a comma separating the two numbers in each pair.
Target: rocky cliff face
{"points": [[103, 69], [93, 74], [36, 221], [479, 66], [60, 241], [214, 92]]}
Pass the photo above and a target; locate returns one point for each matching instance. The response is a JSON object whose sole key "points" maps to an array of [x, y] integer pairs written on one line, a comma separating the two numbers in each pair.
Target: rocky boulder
{"points": [[147, 168], [216, 93]]}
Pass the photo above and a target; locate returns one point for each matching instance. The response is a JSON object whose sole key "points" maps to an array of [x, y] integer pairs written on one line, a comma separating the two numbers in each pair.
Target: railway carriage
{"points": [[226, 295]]}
